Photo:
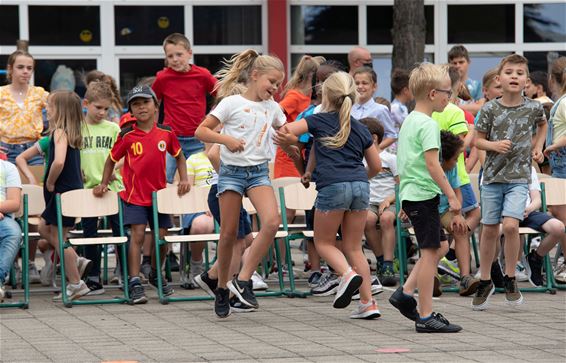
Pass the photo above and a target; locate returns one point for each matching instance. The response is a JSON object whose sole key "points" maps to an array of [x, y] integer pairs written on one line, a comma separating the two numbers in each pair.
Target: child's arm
{"points": [[536, 202], [502, 146], [437, 174], [560, 143], [458, 223], [183, 187], [60, 140], [12, 202], [22, 163], [306, 177], [213, 155], [538, 142], [299, 161], [102, 188], [205, 133], [373, 160]]}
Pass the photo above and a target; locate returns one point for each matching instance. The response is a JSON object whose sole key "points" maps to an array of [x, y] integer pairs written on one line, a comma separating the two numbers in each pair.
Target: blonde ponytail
{"points": [[338, 95], [234, 71]]}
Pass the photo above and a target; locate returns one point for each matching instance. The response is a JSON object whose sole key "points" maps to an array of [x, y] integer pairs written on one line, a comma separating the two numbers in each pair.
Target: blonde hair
{"points": [[67, 115], [558, 73], [489, 77], [307, 67], [338, 95], [426, 77], [96, 75], [98, 90], [177, 39], [513, 59], [238, 68]]}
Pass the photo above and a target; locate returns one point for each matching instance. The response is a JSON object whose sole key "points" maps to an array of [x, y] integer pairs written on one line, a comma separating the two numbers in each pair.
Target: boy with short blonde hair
{"points": [[422, 180], [504, 131]]}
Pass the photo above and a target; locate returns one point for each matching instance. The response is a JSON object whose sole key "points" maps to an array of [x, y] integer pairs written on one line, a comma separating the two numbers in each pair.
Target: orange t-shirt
{"points": [[292, 104]]}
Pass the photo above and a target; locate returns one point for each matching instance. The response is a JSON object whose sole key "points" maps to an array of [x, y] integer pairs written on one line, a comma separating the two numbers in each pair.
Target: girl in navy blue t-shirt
{"points": [[340, 144]]}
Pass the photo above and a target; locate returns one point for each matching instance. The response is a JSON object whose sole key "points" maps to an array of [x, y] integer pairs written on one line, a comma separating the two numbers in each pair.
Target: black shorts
{"points": [[138, 214], [426, 222], [535, 220], [244, 223]]}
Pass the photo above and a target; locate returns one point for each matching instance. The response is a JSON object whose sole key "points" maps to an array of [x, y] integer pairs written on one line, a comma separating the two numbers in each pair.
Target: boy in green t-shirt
{"points": [[421, 181], [99, 136]]}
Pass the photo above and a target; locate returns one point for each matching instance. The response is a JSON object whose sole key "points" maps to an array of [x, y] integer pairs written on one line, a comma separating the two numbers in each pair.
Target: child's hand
{"points": [[459, 225], [50, 187], [502, 146], [99, 190], [403, 216], [454, 204], [283, 137], [538, 156], [1, 216], [550, 149], [293, 152], [183, 187], [112, 177], [383, 206], [306, 179], [235, 145]]}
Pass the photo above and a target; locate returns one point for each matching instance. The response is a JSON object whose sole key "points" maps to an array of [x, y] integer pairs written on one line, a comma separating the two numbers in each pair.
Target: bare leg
{"points": [[352, 232]]}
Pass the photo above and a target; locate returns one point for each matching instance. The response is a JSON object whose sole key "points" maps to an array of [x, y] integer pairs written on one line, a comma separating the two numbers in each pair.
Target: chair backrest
{"points": [[195, 201], [36, 202], [38, 172], [297, 197], [475, 185], [248, 206], [543, 176], [82, 203], [282, 182], [555, 191]]}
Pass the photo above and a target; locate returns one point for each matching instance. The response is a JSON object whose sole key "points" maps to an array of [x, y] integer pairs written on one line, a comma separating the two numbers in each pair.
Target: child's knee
{"points": [[554, 227], [510, 226], [387, 219]]}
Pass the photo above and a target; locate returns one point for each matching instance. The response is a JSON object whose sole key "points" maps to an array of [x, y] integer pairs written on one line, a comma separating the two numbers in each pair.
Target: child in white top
{"points": [[244, 156]]}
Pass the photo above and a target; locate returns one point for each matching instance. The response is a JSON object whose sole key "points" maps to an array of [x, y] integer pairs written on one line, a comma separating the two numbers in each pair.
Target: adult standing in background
{"points": [[21, 105], [359, 57]]}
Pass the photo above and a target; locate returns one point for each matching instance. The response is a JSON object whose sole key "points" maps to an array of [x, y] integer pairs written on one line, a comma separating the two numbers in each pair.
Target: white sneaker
{"points": [[376, 288], [74, 291], [84, 265], [521, 273], [349, 283], [2, 292], [560, 273], [46, 274], [366, 311], [34, 277], [258, 282]]}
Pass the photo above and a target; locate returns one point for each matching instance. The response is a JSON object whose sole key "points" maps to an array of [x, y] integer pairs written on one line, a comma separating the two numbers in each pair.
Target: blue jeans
{"points": [[13, 150], [500, 200], [346, 196], [10, 239], [190, 146], [240, 179]]}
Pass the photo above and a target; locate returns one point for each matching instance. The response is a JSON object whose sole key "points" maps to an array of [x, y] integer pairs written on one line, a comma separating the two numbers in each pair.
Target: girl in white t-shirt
{"points": [[244, 153]]}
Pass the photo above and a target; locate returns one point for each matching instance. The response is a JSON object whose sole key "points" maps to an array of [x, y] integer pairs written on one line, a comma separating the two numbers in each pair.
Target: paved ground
{"points": [[283, 330]]}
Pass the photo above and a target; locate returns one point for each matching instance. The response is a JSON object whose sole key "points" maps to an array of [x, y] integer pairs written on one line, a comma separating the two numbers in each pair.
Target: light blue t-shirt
{"points": [[454, 181], [475, 89]]}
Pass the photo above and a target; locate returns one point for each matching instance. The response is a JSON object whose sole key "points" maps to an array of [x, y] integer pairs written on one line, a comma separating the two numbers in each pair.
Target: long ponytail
{"points": [[339, 94], [234, 71]]}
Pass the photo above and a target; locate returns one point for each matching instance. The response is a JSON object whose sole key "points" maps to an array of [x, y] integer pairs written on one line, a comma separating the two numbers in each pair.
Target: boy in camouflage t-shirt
{"points": [[504, 131]]}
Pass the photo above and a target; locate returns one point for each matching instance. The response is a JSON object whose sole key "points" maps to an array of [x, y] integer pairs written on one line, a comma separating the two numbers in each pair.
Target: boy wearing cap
{"points": [[144, 145]]}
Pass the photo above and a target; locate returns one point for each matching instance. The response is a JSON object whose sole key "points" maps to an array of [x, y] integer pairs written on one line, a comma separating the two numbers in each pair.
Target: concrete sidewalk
{"points": [[283, 330]]}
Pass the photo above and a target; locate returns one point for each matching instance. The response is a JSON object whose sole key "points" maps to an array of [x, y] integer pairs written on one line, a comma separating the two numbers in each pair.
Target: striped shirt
{"points": [[200, 167]]}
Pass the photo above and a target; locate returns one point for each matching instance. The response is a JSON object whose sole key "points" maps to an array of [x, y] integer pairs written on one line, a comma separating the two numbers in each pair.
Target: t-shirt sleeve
{"points": [[157, 86], [458, 124], [430, 136], [43, 145], [311, 124], [540, 116], [535, 184], [223, 109], [12, 176], [211, 83], [173, 146], [290, 102], [279, 117], [119, 149], [393, 165], [367, 140], [388, 124], [452, 176], [484, 119]]}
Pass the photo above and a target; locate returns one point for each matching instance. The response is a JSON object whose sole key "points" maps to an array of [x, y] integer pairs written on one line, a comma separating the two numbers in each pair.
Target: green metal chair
{"points": [[81, 203]]}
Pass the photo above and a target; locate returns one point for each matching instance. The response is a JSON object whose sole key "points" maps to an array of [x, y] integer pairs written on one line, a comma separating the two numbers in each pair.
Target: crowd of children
{"points": [[327, 129]]}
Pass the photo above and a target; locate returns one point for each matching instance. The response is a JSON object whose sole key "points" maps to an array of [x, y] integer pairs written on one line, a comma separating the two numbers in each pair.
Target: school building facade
{"points": [[124, 37]]}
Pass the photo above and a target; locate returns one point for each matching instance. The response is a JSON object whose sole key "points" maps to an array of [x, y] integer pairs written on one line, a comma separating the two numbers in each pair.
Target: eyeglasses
{"points": [[447, 91]]}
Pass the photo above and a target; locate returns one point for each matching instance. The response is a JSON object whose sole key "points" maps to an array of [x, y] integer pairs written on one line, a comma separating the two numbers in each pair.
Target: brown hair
{"points": [[374, 126], [98, 90], [399, 80], [177, 39], [67, 116], [489, 77], [96, 75], [458, 51], [513, 59], [307, 67], [383, 101], [558, 73], [12, 60], [366, 70]]}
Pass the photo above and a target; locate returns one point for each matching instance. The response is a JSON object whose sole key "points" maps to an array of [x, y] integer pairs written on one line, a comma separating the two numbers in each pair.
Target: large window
{"points": [[146, 25], [541, 61], [380, 24], [482, 62], [322, 24], [64, 25], [134, 70], [9, 25], [544, 22], [481, 23], [212, 62], [227, 25], [63, 73]]}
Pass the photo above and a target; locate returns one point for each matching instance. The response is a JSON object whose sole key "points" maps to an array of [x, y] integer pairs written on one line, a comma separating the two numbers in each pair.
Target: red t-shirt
{"points": [[144, 166], [184, 95], [292, 104]]}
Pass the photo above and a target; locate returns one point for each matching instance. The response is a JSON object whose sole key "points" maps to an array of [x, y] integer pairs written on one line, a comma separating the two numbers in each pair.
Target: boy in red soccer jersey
{"points": [[144, 145]]}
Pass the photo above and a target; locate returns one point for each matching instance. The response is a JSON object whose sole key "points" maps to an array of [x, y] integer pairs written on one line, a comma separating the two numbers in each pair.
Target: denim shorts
{"points": [[469, 201], [188, 219], [139, 214], [240, 179], [244, 223], [346, 196], [13, 150], [500, 200], [557, 161]]}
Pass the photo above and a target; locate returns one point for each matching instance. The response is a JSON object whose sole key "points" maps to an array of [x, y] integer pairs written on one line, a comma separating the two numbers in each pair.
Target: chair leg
{"points": [[279, 266], [124, 265], [162, 298], [475, 249]]}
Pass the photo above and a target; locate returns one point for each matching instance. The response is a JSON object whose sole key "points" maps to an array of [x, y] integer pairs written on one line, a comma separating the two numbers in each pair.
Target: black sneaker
{"points": [[244, 291], [206, 283], [222, 302], [407, 305], [534, 268], [238, 307], [165, 287], [485, 290], [136, 291], [497, 275], [388, 276], [436, 324], [95, 287], [513, 296]]}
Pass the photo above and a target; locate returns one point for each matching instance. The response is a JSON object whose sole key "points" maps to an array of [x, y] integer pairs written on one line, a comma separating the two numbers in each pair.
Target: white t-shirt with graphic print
{"points": [[249, 121]]}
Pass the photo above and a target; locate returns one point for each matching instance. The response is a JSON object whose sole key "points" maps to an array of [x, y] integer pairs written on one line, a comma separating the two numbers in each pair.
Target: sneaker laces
{"points": [[511, 285], [441, 318], [483, 289]]}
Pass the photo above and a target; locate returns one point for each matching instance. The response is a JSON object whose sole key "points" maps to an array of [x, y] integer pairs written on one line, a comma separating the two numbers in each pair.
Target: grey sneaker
{"points": [[196, 269], [327, 285], [468, 285], [349, 283], [2, 292], [136, 290], [34, 277], [513, 296], [165, 287], [484, 291]]}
